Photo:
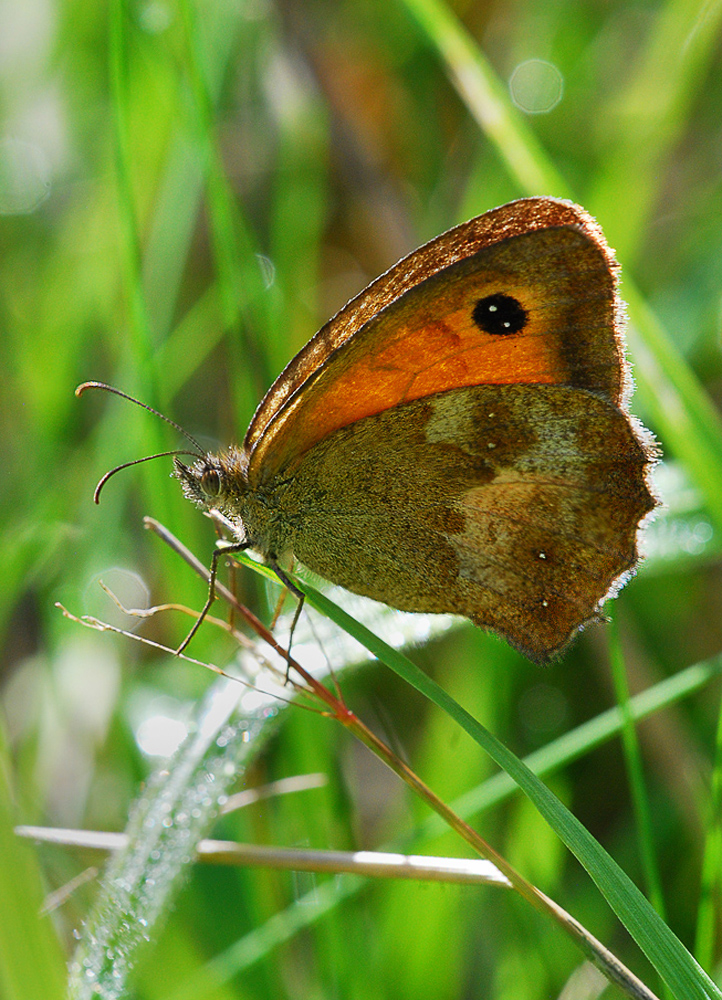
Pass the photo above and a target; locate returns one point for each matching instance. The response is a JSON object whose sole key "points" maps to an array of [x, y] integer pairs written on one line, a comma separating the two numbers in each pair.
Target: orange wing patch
{"points": [[460, 243], [433, 339]]}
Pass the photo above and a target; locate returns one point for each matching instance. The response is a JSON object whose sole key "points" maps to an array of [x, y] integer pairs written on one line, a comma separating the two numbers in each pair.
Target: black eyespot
{"points": [[500, 314], [211, 482]]}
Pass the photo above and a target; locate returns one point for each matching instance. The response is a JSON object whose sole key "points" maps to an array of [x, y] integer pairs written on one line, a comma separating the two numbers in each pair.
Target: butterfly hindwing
{"points": [[487, 502]]}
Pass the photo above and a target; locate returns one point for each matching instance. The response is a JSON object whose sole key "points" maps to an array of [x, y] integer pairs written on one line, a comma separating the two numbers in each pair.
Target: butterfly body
{"points": [[456, 439]]}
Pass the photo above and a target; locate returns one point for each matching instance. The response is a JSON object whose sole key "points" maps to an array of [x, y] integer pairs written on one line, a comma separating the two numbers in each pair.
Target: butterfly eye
{"points": [[211, 482]]}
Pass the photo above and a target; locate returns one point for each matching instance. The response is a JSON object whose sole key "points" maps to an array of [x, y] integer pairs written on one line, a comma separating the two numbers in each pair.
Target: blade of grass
{"points": [[646, 118], [487, 99], [580, 741], [676, 966], [242, 290], [707, 913], [635, 771], [140, 364], [325, 897], [109, 930], [112, 950], [31, 960], [174, 219], [130, 241], [300, 213], [180, 196]]}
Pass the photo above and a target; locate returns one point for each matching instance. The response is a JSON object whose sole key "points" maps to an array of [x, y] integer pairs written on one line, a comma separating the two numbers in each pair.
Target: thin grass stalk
{"points": [[711, 876]]}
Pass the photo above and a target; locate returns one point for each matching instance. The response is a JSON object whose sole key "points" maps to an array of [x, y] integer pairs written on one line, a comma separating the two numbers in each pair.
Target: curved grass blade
{"points": [[676, 966]]}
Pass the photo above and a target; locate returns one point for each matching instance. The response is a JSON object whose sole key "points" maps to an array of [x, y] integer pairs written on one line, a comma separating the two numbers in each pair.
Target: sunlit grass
{"points": [[223, 177]]}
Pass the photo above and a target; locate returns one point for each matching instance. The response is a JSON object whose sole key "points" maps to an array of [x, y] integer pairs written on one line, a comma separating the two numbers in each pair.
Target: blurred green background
{"points": [[188, 191]]}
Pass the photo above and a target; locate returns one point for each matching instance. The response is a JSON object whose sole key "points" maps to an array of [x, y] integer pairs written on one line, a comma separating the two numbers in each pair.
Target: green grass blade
{"points": [[580, 741], [707, 912], [139, 325], [635, 771], [306, 911], [649, 114], [31, 959], [235, 246], [665, 951], [487, 98]]}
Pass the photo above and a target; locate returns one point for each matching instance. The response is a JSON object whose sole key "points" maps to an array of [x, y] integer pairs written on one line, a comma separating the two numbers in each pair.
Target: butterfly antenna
{"points": [[137, 461], [198, 453], [131, 399]]}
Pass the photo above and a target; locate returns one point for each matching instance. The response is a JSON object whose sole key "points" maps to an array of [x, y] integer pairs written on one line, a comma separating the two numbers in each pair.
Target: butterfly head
{"points": [[219, 485], [214, 482]]}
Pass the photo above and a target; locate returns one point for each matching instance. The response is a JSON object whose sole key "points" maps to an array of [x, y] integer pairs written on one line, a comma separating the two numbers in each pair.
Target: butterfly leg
{"points": [[289, 585], [223, 549]]}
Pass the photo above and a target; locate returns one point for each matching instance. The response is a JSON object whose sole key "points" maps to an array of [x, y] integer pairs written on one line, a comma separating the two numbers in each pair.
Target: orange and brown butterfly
{"points": [[457, 439]]}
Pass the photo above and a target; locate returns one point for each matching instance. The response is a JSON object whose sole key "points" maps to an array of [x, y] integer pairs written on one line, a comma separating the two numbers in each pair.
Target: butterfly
{"points": [[456, 439]]}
